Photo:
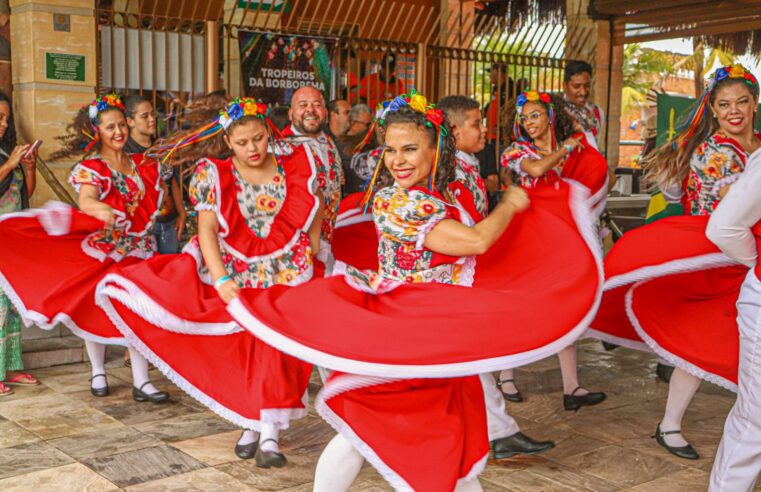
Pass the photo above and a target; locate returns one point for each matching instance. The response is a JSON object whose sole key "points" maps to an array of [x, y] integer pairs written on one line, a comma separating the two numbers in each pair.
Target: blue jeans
{"points": [[166, 237]]}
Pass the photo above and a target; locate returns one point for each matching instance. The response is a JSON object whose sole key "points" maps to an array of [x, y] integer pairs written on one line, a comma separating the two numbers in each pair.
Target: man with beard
{"points": [[308, 115]]}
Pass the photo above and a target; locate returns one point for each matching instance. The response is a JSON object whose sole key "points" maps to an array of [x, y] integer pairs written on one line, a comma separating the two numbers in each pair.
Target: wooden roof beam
{"points": [[748, 24], [623, 7]]}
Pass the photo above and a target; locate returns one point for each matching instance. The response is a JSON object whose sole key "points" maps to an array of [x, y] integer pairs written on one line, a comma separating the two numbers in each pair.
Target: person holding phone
{"points": [[17, 182]]}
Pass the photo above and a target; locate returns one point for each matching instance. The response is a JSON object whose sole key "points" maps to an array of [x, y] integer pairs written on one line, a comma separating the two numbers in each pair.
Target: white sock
{"points": [[269, 432], [338, 466], [140, 372], [96, 352], [248, 436], [472, 485], [682, 388], [567, 358], [508, 374]]}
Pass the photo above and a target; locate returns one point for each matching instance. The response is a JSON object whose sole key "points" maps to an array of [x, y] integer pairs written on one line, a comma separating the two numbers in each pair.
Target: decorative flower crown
{"points": [[531, 96], [434, 119], [102, 103], [736, 71], [238, 108]]}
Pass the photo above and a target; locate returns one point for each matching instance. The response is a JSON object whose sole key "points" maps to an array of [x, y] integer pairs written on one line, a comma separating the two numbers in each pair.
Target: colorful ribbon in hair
{"points": [[735, 71], [434, 119], [235, 110], [534, 97], [100, 104]]}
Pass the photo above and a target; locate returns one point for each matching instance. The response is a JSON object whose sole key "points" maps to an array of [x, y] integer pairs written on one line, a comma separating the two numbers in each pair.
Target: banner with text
{"points": [[274, 66]]}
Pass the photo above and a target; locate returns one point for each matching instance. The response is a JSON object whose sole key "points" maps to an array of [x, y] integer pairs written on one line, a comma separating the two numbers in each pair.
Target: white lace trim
{"points": [[120, 288], [623, 342], [669, 357], [682, 265], [55, 218], [30, 318]]}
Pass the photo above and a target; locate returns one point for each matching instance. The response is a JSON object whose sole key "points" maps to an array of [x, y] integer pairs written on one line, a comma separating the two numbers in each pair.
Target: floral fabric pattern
{"points": [[715, 164], [11, 200], [116, 242], [513, 157], [402, 219], [259, 205], [467, 174]]}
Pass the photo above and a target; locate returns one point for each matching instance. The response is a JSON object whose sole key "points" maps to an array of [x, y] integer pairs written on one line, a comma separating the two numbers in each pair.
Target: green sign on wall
{"points": [[672, 111], [61, 66]]}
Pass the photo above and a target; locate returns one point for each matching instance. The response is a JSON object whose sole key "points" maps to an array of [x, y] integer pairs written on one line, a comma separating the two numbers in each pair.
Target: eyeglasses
{"points": [[533, 117]]}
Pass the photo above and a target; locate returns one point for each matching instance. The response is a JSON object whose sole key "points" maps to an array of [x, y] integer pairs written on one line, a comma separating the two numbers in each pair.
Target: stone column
{"points": [[50, 41]]}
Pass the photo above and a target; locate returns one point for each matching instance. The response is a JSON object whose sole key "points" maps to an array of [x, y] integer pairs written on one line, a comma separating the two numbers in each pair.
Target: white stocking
{"points": [[567, 358], [508, 375], [269, 432], [338, 466], [96, 352], [140, 372], [248, 436], [682, 388]]}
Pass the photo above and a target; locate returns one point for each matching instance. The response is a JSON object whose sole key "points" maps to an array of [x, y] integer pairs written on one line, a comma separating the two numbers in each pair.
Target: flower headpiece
{"points": [[235, 110], [533, 96], [100, 104], [736, 71], [434, 119]]}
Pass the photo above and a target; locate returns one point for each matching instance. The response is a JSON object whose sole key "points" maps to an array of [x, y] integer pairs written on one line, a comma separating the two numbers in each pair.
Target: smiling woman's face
{"points": [[409, 154], [734, 107]]}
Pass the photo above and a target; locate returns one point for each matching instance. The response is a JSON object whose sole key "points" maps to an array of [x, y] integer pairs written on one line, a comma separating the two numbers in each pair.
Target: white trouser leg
{"points": [[738, 460], [499, 422], [338, 466]]}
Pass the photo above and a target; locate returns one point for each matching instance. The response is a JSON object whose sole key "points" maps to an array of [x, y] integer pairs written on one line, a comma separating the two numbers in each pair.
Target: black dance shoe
{"points": [[246, 451], [516, 397], [664, 372], [104, 391], [517, 444], [267, 459], [139, 395], [609, 346], [573, 402], [687, 452]]}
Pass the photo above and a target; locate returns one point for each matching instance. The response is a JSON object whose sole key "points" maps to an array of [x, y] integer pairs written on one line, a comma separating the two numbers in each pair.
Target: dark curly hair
{"points": [[565, 125], [446, 172], [76, 139], [8, 142]]}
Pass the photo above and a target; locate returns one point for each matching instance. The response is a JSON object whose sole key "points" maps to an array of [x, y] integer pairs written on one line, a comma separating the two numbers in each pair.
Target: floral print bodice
{"points": [[514, 155], [259, 205], [116, 242], [467, 173], [403, 218], [716, 163]]}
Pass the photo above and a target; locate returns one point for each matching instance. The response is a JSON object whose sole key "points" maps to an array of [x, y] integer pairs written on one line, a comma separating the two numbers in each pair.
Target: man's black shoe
{"points": [[516, 444]]}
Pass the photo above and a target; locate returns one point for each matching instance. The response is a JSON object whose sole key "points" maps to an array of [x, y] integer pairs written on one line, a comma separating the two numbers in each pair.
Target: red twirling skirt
{"points": [[547, 257], [48, 276], [670, 290], [181, 325]]}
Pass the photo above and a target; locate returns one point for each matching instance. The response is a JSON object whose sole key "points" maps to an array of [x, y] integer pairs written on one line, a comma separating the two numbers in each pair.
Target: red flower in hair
{"points": [[261, 108], [435, 116], [544, 97]]}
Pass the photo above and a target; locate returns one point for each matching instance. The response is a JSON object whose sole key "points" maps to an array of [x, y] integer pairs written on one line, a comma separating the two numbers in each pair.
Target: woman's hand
{"points": [[228, 291], [517, 198], [16, 156], [573, 143]]}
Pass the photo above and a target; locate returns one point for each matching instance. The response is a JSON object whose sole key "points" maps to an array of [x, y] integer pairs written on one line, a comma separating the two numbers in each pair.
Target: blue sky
{"points": [[683, 46]]}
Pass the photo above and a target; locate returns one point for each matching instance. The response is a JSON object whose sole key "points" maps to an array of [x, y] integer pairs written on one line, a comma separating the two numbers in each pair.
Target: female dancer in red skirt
{"points": [[668, 288], [258, 226], [52, 258], [415, 317], [546, 149]]}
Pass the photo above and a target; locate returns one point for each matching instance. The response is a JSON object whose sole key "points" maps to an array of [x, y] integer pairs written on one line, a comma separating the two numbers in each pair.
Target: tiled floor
{"points": [[58, 437]]}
